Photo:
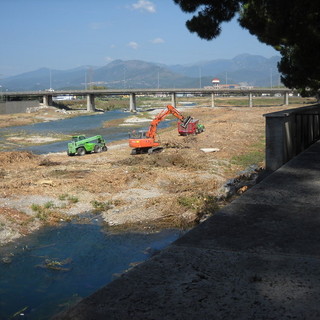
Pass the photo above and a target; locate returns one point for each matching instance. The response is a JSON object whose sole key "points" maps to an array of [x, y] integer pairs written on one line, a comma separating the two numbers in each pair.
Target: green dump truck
{"points": [[80, 145]]}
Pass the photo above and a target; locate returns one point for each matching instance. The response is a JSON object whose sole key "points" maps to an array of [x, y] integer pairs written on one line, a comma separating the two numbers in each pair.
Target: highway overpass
{"points": [[47, 96]]}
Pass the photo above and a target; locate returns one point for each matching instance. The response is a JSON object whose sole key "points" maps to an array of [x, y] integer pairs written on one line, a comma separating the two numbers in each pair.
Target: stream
{"points": [[55, 267], [83, 257], [90, 125]]}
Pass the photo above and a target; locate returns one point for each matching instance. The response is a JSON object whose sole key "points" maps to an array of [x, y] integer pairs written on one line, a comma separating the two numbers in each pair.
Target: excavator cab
{"points": [[141, 134]]}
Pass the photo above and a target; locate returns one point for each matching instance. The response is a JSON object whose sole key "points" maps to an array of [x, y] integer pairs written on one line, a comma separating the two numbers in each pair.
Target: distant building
{"points": [[229, 86], [64, 98], [216, 85]]}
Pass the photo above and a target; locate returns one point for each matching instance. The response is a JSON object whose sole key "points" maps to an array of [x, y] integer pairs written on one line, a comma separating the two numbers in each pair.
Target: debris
{"points": [[6, 260], [20, 312], [55, 264], [207, 150]]}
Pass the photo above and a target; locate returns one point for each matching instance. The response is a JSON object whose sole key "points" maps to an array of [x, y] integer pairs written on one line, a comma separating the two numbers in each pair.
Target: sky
{"points": [[66, 34]]}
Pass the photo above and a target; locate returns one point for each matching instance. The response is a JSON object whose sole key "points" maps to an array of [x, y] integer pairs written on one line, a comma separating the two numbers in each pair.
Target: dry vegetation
{"points": [[173, 188]]}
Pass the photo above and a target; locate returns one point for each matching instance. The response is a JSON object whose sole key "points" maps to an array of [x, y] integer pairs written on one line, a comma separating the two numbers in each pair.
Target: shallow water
{"points": [[89, 125], [91, 255]]}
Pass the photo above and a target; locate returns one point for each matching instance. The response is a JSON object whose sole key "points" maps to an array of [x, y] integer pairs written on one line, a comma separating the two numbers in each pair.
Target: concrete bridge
{"points": [[47, 96]]}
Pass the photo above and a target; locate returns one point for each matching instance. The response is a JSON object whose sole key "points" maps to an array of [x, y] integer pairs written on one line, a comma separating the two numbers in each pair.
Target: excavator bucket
{"points": [[186, 122]]}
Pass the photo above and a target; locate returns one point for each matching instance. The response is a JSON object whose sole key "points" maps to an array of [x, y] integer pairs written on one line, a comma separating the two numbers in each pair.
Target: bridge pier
{"points": [[90, 102], [133, 103], [174, 99], [212, 100], [250, 100], [47, 100], [286, 98]]}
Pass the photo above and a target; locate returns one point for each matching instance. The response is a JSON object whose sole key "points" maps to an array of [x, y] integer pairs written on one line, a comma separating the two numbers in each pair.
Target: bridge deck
{"points": [[257, 258]]}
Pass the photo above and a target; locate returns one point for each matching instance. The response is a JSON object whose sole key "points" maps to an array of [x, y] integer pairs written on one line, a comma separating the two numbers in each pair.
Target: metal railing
{"points": [[290, 132]]}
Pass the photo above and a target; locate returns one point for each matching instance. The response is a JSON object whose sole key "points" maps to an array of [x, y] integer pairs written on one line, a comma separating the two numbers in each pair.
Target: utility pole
{"points": [[124, 77]]}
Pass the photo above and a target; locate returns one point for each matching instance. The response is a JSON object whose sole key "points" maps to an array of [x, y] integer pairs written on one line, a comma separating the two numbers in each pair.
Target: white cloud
{"points": [[133, 45], [157, 40], [144, 5], [108, 59]]}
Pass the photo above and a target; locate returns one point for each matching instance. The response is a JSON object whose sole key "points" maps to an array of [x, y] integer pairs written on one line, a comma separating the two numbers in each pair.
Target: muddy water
{"points": [[83, 257]]}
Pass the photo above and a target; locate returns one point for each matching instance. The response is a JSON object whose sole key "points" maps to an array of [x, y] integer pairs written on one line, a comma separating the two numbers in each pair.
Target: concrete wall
{"points": [[8, 107], [290, 132]]}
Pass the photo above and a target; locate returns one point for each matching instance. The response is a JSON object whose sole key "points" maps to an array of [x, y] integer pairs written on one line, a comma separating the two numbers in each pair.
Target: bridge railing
{"points": [[290, 132]]}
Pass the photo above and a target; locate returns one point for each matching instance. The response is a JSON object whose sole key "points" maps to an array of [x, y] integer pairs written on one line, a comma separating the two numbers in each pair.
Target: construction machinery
{"points": [[145, 141], [80, 145], [193, 127]]}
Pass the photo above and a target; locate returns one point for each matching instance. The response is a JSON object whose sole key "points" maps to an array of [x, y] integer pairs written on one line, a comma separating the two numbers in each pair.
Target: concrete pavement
{"points": [[257, 258]]}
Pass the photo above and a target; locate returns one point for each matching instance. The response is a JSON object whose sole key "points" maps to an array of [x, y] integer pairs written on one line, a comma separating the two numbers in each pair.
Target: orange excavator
{"points": [[145, 141]]}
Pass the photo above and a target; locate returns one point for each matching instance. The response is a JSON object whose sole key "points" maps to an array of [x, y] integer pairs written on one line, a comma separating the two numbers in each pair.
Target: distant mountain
{"points": [[251, 69]]}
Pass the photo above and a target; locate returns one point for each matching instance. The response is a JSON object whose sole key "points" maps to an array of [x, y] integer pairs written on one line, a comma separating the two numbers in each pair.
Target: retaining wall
{"points": [[9, 107], [290, 132]]}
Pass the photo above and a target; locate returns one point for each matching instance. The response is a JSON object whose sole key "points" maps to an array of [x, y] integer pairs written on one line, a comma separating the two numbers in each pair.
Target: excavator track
{"points": [[146, 150]]}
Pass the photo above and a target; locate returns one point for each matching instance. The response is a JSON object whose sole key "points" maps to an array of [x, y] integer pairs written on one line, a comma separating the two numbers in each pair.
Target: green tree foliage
{"points": [[291, 26]]}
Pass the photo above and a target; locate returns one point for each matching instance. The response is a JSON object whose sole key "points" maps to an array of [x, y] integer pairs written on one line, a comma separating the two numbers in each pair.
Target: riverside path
{"points": [[257, 258]]}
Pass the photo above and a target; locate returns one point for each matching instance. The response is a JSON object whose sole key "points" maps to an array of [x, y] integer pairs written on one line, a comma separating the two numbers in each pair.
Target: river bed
{"points": [[88, 125], [55, 267]]}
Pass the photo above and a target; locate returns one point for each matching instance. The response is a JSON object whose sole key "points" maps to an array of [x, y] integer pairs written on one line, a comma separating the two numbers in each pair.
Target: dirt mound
{"points": [[16, 156]]}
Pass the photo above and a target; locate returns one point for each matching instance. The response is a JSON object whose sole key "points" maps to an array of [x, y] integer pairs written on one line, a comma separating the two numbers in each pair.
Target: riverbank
{"points": [[175, 188]]}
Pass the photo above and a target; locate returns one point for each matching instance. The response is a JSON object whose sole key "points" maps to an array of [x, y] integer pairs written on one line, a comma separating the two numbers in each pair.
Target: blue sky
{"points": [[65, 34]]}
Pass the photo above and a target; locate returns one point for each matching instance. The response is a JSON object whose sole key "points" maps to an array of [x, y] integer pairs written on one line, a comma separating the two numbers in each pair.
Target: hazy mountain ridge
{"points": [[251, 69]]}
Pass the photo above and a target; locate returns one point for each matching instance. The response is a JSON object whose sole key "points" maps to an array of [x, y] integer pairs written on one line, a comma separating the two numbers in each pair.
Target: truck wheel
{"points": [[104, 148], [97, 149], [81, 151]]}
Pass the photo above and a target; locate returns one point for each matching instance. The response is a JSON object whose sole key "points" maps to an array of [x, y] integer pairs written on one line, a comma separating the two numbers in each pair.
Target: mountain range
{"points": [[247, 69]]}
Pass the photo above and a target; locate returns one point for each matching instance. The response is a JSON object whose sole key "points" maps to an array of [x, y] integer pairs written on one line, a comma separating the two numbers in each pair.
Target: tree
{"points": [[291, 27]]}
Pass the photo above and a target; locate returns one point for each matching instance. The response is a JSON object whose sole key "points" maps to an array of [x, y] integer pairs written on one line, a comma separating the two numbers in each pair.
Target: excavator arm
{"points": [[151, 133], [143, 141]]}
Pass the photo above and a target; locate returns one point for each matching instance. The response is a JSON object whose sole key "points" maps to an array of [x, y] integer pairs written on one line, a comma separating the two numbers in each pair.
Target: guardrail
{"points": [[290, 132]]}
